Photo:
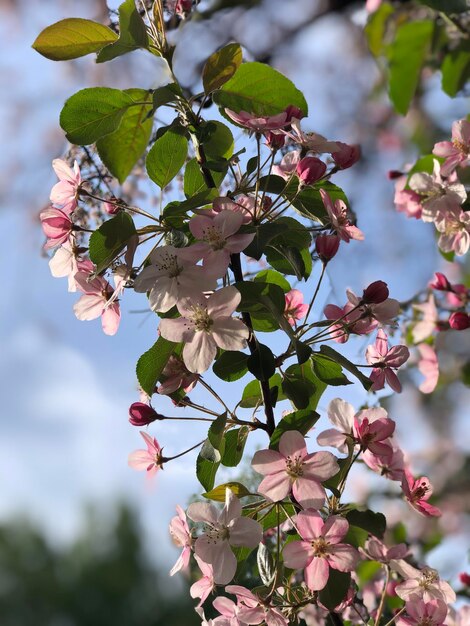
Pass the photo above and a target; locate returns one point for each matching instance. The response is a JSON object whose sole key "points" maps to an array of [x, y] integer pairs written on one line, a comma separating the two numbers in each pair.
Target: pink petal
{"points": [[267, 462], [341, 415], [292, 443], [276, 486], [343, 557], [223, 302], [202, 512], [297, 554], [200, 352], [139, 460], [316, 574], [110, 319], [320, 466], [309, 493], [230, 333], [309, 524], [245, 532], [334, 439], [335, 528], [175, 330]]}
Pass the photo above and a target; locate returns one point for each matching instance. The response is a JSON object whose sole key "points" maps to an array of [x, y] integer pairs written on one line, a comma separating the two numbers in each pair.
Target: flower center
{"points": [[460, 146], [420, 491], [294, 466], [200, 318], [216, 534], [428, 577], [320, 547], [169, 263], [214, 238]]}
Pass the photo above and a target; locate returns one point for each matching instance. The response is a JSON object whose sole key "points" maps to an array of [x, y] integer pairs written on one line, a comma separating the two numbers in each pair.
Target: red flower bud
{"points": [[141, 414], [459, 320], [274, 140], [327, 246], [309, 170], [440, 282], [375, 293], [347, 155], [394, 174], [111, 207], [465, 578]]}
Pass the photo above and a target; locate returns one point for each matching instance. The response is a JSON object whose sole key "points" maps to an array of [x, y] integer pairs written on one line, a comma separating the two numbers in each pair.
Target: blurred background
{"points": [[83, 539]]}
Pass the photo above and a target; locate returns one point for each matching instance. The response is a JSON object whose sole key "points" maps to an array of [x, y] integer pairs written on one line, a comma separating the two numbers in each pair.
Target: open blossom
{"points": [[224, 529], [65, 192], [378, 551], [346, 155], [262, 124], [454, 226], [150, 459], [437, 195], [246, 205], [417, 491], [288, 164], [428, 365], [406, 200], [370, 429], [372, 313], [203, 587], [420, 613], [57, 227], [169, 277], [424, 584], [311, 142], [455, 152], [181, 536], [96, 301], [385, 360], [295, 308], [391, 467], [177, 376], [252, 611], [338, 215], [426, 326], [66, 262], [320, 548], [204, 325], [294, 469], [217, 240]]}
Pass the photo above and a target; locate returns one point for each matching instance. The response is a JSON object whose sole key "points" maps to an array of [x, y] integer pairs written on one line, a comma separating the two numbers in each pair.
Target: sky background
{"points": [[65, 386]]}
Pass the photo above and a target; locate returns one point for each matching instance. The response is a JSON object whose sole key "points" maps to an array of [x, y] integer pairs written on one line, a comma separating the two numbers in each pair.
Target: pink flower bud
{"points": [[111, 208], [275, 140], [375, 293], [141, 414], [293, 112], [347, 155], [327, 246], [394, 174], [56, 225], [465, 579], [183, 7], [459, 320], [440, 282], [309, 170]]}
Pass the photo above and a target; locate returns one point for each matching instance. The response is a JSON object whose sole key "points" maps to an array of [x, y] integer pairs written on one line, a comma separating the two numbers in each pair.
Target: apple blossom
{"points": [[347, 155], [428, 365], [391, 467], [204, 325], [428, 324], [309, 170], [338, 216], [457, 151], [252, 611], [420, 613], [320, 548], [454, 226], [295, 308], [288, 164], [311, 142], [417, 491], [96, 301], [267, 123], [150, 459], [57, 227], [66, 262], [181, 536], [437, 195], [229, 612], [406, 200], [377, 551], [292, 468], [203, 587], [246, 205], [176, 376], [225, 529], [326, 247], [424, 584], [141, 414], [65, 192], [385, 360]]}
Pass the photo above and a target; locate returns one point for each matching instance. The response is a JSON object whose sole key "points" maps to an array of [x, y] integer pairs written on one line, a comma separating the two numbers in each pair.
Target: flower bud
{"points": [[465, 579], [327, 246], [459, 320], [141, 414], [111, 208], [275, 140], [375, 293], [440, 282], [394, 174], [309, 170], [347, 155], [293, 112]]}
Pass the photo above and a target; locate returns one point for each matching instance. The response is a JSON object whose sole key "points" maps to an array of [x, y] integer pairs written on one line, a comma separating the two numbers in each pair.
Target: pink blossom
{"points": [[150, 459], [426, 326], [96, 302], [391, 467], [112, 206], [372, 5], [459, 320], [181, 536], [424, 584], [417, 491], [320, 548], [326, 247], [203, 587], [288, 164], [347, 155], [217, 240], [376, 550], [454, 226], [407, 201], [310, 170], [204, 325], [252, 611], [311, 142], [295, 308], [141, 414], [275, 141], [224, 530], [428, 365], [176, 376], [370, 429], [440, 282], [457, 151], [266, 123], [338, 215], [66, 263], [57, 227], [241, 204], [419, 613], [65, 192], [437, 195], [294, 469], [169, 277], [229, 612], [372, 314], [385, 361]]}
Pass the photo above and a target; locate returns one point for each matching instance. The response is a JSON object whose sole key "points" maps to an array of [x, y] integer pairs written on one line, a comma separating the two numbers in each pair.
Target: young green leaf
{"points": [[456, 70], [344, 362], [235, 441], [72, 38], [218, 494], [327, 370], [132, 33], [110, 239], [152, 363], [206, 471], [216, 432], [302, 421], [231, 365], [336, 589], [166, 157], [221, 66]]}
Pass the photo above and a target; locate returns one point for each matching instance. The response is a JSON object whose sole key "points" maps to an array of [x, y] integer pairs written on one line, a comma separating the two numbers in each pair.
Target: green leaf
{"points": [[132, 33], [406, 56], [206, 472], [289, 260], [447, 6], [194, 182], [344, 362], [263, 235], [302, 387], [302, 421], [221, 66], [72, 38], [216, 432], [209, 453], [266, 566], [336, 589], [329, 371], [423, 164], [355, 536], [93, 113], [218, 143], [231, 365], [218, 494], [376, 27], [152, 363], [274, 278], [121, 150], [261, 362], [252, 393], [235, 441], [261, 90], [309, 203], [260, 297], [166, 157], [456, 70], [165, 95], [373, 523], [110, 239]]}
